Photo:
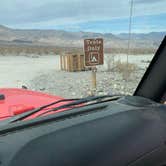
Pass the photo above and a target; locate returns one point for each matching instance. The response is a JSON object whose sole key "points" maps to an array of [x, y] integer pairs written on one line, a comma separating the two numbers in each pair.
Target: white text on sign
{"points": [[93, 52]]}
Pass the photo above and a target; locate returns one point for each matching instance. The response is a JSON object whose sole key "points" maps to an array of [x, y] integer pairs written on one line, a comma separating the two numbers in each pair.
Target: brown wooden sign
{"points": [[93, 49]]}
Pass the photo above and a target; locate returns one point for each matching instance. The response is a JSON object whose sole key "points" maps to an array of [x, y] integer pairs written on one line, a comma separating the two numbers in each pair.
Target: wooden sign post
{"points": [[94, 82], [94, 55]]}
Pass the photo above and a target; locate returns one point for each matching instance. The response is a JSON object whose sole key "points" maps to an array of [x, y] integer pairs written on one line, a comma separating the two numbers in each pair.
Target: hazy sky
{"points": [[84, 15]]}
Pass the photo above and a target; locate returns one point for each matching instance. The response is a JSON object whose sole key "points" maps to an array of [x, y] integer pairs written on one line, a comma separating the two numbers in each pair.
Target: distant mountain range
{"points": [[75, 39]]}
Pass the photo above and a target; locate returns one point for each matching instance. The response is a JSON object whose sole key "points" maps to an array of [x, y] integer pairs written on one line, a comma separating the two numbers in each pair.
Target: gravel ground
{"points": [[79, 84], [42, 73], [16, 71]]}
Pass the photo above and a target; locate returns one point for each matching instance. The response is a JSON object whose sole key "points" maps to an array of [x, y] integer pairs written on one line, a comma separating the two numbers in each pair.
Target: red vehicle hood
{"points": [[18, 101]]}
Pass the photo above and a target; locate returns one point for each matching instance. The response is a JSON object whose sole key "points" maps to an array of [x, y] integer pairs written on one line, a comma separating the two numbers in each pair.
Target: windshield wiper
{"points": [[76, 102], [89, 101]]}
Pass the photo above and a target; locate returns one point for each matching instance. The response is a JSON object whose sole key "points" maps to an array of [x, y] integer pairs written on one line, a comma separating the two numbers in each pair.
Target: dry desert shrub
{"points": [[126, 69], [110, 62]]}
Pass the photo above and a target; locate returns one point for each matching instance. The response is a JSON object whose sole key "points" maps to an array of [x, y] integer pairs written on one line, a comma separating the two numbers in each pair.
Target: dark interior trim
{"points": [[153, 83]]}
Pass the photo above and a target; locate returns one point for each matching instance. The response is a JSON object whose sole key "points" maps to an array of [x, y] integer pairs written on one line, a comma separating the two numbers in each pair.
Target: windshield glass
{"points": [[44, 46]]}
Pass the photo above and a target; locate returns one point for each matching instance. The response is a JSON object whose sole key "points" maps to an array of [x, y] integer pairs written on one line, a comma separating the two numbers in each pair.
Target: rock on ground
{"points": [[78, 84]]}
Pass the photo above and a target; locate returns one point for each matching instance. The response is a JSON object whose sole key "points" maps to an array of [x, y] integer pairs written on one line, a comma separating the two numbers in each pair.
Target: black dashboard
{"points": [[129, 131]]}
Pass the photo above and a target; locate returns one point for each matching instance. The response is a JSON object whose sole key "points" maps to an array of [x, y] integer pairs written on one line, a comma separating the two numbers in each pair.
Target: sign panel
{"points": [[93, 49]]}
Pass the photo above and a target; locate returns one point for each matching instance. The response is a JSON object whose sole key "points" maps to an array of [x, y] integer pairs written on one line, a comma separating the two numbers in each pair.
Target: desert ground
{"points": [[42, 73]]}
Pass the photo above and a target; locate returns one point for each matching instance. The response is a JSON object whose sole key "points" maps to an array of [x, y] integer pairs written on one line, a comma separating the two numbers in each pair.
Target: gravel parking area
{"points": [[42, 73], [79, 84]]}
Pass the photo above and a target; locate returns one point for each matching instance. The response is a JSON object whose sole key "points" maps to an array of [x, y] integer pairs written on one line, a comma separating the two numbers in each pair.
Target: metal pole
{"points": [[129, 36]]}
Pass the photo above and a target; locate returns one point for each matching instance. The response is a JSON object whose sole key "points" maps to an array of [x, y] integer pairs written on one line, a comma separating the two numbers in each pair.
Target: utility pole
{"points": [[129, 34]]}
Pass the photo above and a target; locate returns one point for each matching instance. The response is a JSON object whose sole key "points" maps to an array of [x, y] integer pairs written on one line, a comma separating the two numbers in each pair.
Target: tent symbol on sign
{"points": [[94, 58]]}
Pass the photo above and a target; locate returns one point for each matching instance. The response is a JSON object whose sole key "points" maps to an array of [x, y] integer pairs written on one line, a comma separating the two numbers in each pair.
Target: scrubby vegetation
{"points": [[126, 69], [45, 50]]}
